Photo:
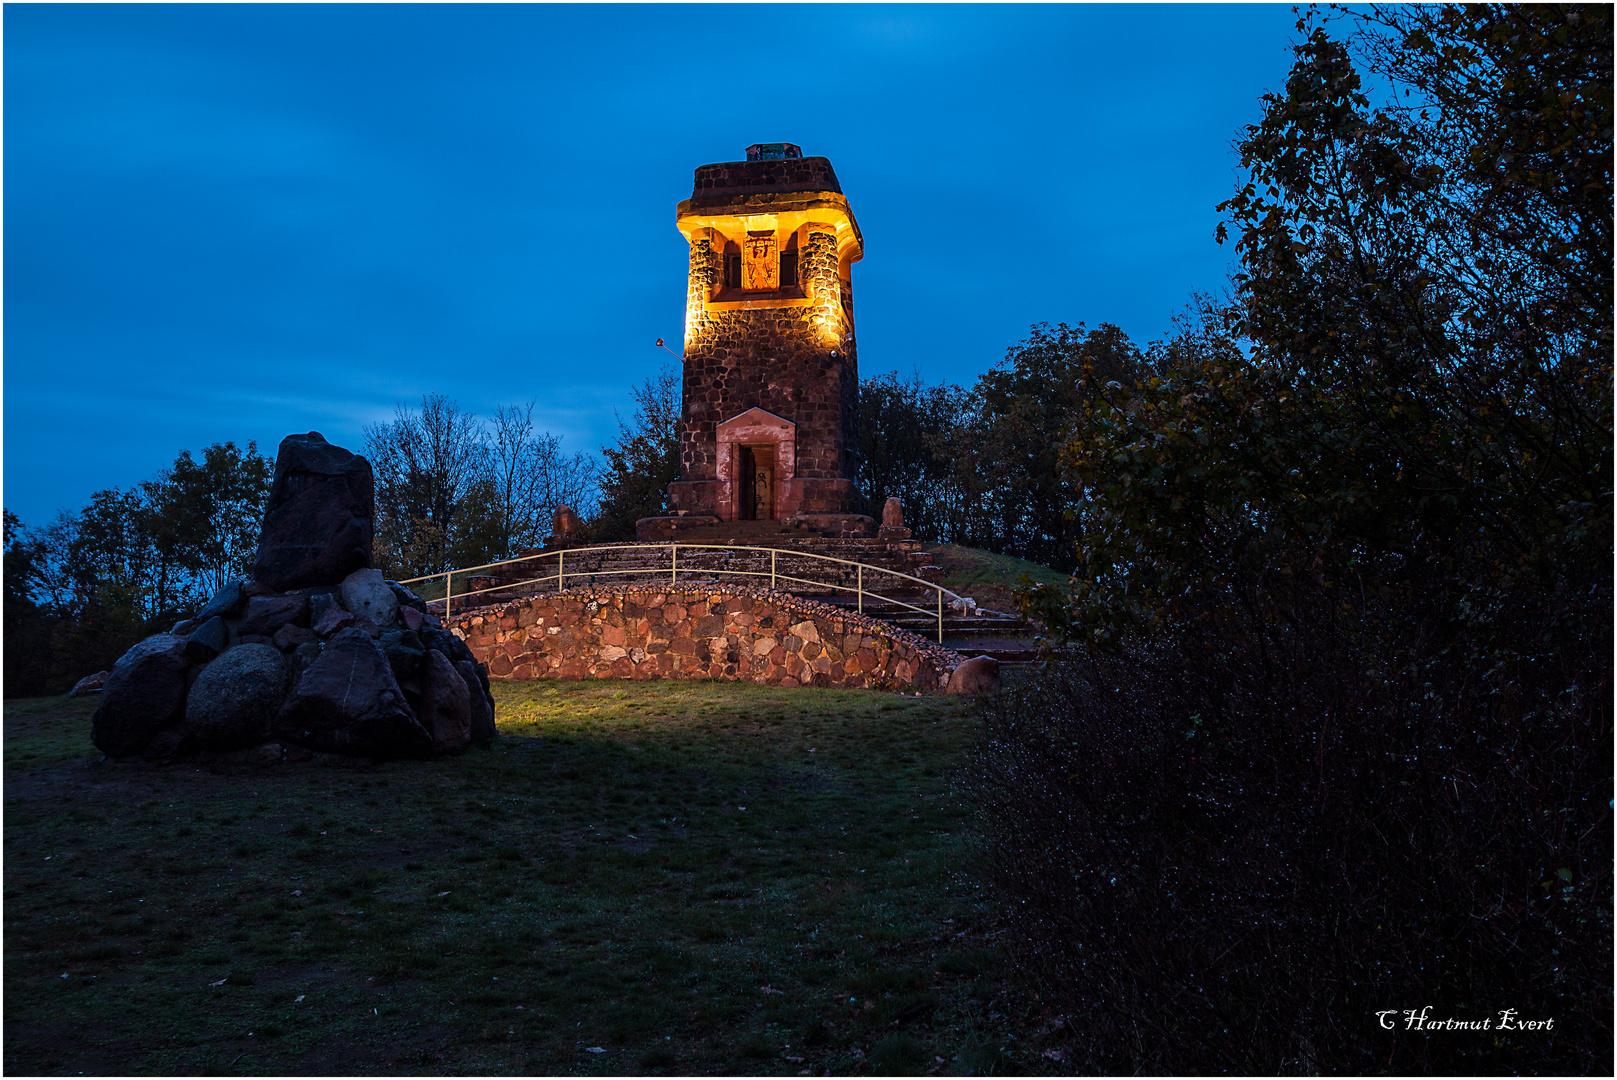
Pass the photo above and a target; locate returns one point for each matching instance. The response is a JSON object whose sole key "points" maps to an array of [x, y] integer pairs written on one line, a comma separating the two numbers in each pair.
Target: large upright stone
{"points": [[348, 702], [318, 527], [565, 528], [892, 520]]}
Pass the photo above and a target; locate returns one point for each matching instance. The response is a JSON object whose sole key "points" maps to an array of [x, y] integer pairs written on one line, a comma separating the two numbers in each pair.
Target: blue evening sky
{"points": [[237, 222]]}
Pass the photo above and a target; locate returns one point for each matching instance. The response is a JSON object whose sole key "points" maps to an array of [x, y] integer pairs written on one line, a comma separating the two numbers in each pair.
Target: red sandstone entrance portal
{"points": [[757, 459]]}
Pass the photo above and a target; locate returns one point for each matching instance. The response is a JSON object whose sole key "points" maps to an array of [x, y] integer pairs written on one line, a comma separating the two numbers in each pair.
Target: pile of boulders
{"points": [[317, 651]]}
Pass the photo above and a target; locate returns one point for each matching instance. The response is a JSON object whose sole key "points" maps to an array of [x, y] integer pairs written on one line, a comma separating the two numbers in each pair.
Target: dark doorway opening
{"points": [[757, 469]]}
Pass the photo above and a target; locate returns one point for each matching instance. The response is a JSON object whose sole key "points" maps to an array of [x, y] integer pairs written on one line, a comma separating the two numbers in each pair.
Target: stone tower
{"points": [[770, 424]]}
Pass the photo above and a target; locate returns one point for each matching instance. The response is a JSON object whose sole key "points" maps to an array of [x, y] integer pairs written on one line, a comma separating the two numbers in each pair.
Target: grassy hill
{"points": [[989, 578], [637, 878]]}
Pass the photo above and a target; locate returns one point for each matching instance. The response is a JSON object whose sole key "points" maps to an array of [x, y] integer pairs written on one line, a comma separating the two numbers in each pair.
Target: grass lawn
{"points": [[989, 578], [652, 877]]}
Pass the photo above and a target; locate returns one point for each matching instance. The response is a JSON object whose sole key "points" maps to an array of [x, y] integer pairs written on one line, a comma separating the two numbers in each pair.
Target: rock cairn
{"points": [[316, 651]]}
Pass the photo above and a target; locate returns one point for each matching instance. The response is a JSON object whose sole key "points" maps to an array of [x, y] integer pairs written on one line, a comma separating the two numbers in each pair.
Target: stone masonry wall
{"points": [[699, 632], [773, 358], [768, 360]]}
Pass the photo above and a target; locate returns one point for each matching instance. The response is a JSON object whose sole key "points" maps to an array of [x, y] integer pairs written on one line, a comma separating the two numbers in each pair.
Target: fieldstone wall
{"points": [[699, 632], [777, 358]]}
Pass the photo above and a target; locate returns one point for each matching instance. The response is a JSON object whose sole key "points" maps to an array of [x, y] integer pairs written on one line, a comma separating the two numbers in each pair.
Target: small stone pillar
{"points": [[892, 520], [565, 529]]}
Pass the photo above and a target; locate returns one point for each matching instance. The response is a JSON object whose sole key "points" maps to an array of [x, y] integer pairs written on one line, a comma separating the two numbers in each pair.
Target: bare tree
{"points": [[453, 490], [531, 477], [639, 468], [426, 464]]}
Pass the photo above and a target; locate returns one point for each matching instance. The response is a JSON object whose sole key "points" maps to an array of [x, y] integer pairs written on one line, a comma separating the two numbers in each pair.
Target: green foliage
{"points": [[206, 514], [980, 467], [82, 590], [1345, 572], [1427, 404], [907, 449], [27, 625], [1019, 501], [644, 461]]}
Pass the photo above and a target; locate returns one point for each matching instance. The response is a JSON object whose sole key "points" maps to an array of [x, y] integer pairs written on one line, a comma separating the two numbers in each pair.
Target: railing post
{"points": [[449, 582], [673, 564], [772, 553], [561, 571], [940, 616], [861, 583]]}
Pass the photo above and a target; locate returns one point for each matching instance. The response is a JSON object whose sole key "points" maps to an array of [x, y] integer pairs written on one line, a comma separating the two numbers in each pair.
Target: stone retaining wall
{"points": [[709, 631]]}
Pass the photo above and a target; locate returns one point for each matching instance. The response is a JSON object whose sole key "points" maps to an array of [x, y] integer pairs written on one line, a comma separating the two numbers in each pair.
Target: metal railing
{"points": [[776, 575]]}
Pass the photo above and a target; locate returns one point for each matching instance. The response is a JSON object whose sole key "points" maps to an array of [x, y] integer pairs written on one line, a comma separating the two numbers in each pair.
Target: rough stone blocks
{"points": [[701, 632]]}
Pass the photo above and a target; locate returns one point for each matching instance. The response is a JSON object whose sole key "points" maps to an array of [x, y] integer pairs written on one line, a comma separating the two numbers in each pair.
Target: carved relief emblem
{"points": [[762, 265]]}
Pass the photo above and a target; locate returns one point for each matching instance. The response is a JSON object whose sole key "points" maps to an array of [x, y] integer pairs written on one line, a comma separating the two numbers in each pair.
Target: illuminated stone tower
{"points": [[770, 425]]}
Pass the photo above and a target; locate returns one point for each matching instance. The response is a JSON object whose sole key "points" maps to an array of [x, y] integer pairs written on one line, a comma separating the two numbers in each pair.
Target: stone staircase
{"points": [[724, 556]]}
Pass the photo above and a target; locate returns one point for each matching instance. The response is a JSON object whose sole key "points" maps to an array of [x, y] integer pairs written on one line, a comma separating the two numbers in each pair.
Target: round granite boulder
{"points": [[234, 701], [979, 675], [365, 593], [144, 694]]}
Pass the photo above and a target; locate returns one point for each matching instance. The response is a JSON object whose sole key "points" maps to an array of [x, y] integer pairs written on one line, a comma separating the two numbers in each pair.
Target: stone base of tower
{"points": [[707, 529], [819, 505], [795, 498], [697, 497]]}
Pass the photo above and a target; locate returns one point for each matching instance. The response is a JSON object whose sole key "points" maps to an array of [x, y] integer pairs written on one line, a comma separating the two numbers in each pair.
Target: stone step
{"points": [[795, 569], [586, 561]]}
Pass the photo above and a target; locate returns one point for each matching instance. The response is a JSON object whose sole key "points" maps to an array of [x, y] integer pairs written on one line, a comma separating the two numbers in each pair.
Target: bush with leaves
{"points": [[907, 449], [1015, 499], [1344, 740]]}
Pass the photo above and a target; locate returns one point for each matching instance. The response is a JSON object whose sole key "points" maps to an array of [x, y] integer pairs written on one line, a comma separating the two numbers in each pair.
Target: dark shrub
{"points": [[1211, 878]]}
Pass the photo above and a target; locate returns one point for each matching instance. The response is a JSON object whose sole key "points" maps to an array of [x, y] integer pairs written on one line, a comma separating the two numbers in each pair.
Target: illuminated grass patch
{"points": [[694, 877]]}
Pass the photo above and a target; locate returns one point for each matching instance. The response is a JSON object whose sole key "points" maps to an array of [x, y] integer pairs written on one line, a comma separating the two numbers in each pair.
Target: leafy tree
{"points": [[207, 514], [129, 563], [1429, 388], [644, 461], [1017, 499], [907, 449], [1347, 558], [28, 621]]}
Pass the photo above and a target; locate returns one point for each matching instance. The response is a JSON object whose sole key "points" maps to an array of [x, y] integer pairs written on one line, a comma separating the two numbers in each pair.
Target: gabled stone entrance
{"points": [[757, 464]]}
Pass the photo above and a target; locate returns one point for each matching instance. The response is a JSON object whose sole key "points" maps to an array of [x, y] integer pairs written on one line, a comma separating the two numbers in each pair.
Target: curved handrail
{"points": [[673, 548]]}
